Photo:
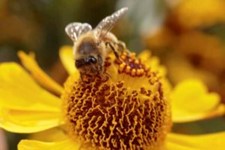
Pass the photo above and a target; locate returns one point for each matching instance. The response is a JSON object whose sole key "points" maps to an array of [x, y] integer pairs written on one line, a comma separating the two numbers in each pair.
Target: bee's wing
{"points": [[109, 22], [75, 29]]}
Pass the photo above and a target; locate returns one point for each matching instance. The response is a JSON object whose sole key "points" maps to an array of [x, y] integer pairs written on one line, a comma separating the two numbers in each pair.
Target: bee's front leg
{"points": [[121, 46], [116, 47], [84, 78]]}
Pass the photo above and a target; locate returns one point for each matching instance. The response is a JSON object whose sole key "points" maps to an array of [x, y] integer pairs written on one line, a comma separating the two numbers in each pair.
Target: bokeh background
{"points": [[188, 37]]}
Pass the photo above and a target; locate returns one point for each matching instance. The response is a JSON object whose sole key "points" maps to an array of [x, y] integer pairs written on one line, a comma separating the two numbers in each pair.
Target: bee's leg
{"points": [[111, 45], [121, 45], [116, 47], [82, 77], [107, 74]]}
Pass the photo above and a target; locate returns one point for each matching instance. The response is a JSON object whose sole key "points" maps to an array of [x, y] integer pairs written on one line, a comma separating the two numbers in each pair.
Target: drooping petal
{"points": [[175, 146], [20, 92], [190, 101], [53, 134], [28, 121], [67, 58], [179, 116], [196, 142], [38, 145], [40, 76]]}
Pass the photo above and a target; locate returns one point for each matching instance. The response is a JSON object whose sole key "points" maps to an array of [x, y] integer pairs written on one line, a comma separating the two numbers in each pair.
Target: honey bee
{"points": [[91, 46]]}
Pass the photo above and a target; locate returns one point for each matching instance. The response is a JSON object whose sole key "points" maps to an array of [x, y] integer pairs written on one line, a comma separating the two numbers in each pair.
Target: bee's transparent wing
{"points": [[75, 29], [109, 22]]}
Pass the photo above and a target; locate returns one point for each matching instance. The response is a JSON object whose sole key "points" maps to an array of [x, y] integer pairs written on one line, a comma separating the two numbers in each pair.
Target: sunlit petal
{"points": [[182, 116], [20, 92], [67, 58], [191, 101], [175, 146], [37, 145], [28, 121], [196, 142], [40, 76], [53, 134]]}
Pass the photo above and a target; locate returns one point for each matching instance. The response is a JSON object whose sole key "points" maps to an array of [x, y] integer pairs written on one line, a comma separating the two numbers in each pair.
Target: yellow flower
{"points": [[190, 38], [201, 13], [126, 108]]}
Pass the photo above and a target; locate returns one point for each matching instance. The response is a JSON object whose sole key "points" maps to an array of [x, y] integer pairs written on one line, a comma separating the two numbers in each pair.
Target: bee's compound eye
{"points": [[92, 59]]}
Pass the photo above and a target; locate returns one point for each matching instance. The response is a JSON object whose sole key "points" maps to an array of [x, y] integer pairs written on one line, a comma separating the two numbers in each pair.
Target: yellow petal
{"points": [[175, 146], [40, 76], [53, 134], [19, 91], [152, 62], [199, 13], [67, 58], [191, 101], [196, 142], [37, 145], [28, 121], [184, 70], [181, 116]]}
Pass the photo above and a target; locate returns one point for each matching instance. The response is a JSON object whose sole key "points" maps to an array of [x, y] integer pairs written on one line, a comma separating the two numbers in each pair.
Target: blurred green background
{"points": [[39, 25], [163, 26]]}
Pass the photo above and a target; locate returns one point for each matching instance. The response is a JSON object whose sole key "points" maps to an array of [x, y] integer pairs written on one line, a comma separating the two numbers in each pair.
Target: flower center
{"points": [[127, 110], [130, 65]]}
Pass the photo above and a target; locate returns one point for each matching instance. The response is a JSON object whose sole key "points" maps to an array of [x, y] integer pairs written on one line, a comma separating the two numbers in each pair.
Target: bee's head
{"points": [[89, 55], [89, 60], [90, 65], [87, 44]]}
